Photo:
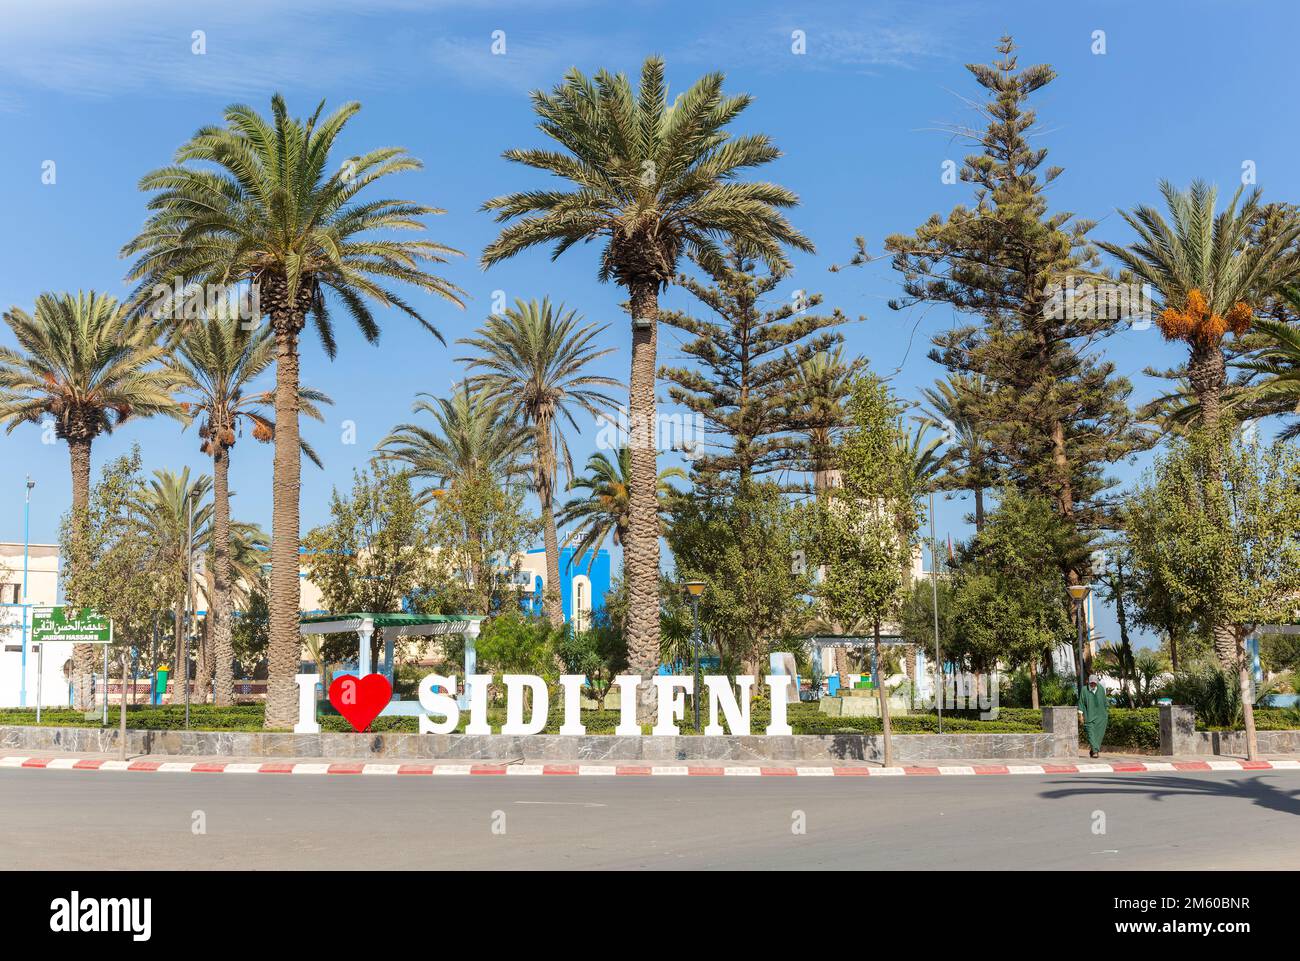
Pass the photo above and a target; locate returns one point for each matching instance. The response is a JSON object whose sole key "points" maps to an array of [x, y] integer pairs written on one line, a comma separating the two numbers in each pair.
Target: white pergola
{"points": [[396, 625]]}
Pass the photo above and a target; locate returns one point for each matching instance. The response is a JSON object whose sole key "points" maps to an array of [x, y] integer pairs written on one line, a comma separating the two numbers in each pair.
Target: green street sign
{"points": [[71, 625]]}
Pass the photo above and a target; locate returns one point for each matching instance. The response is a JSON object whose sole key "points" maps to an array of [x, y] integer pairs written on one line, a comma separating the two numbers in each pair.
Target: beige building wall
{"points": [[42, 590]]}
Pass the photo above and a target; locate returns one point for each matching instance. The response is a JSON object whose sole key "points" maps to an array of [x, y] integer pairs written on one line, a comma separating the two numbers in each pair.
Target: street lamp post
{"points": [[1078, 592], [934, 596], [27, 540], [189, 602], [695, 589]]}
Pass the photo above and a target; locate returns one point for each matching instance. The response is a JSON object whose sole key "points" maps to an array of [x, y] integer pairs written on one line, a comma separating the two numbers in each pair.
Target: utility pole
{"points": [[934, 594], [27, 540], [189, 603]]}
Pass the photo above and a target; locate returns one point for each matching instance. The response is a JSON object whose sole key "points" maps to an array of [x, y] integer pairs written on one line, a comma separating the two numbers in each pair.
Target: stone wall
{"points": [[1178, 736], [542, 747]]}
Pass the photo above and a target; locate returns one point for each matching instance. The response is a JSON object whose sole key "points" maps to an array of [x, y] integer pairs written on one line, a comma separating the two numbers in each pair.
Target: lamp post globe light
{"points": [[1078, 592], [694, 589], [27, 540]]}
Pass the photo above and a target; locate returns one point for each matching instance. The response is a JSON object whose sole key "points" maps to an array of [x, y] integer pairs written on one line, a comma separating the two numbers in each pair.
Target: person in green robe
{"points": [[1094, 710]]}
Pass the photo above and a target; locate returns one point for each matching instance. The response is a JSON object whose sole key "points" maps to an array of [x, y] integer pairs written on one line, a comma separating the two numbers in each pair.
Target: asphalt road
{"points": [[85, 820]]}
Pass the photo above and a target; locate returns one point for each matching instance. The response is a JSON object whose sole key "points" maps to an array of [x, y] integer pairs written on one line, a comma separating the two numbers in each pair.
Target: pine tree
{"points": [[746, 355], [1055, 413]]}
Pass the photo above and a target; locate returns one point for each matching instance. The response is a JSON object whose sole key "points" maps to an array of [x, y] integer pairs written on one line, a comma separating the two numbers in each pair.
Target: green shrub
{"points": [[1053, 691], [1212, 693], [1131, 729]]}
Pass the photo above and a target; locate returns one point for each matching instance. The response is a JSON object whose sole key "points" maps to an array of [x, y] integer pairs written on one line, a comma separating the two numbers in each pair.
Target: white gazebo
{"points": [[395, 625]]}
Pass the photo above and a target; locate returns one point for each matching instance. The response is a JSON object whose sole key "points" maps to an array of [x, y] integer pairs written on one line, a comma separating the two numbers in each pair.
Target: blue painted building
{"points": [[583, 585]]}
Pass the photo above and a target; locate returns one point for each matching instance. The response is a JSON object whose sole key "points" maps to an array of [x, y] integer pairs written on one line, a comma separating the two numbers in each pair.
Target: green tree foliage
{"points": [[603, 511], [1054, 413], [250, 628], [269, 203], [479, 529], [513, 643], [818, 394], [743, 547], [1009, 597], [113, 566], [861, 534], [1220, 521], [600, 653], [652, 181], [372, 554], [536, 356], [745, 354]]}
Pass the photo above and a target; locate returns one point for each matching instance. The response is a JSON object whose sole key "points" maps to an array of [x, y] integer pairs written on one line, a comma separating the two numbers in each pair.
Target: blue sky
{"points": [[108, 91]]}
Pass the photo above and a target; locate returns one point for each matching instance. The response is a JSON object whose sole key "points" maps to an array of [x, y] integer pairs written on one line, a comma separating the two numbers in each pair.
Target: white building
{"points": [[42, 591]]}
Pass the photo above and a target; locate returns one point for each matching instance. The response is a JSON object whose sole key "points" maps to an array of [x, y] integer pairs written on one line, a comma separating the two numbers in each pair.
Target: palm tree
{"points": [[245, 547], [535, 355], [922, 459], [163, 508], [473, 434], [605, 509], [86, 366], [271, 210], [215, 362], [653, 182], [967, 456], [818, 410], [1208, 275]]}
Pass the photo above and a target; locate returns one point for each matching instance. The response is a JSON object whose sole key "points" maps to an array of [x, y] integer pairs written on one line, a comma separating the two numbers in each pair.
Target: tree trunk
{"points": [[1173, 650], [552, 599], [641, 547], [223, 651], [83, 655], [1033, 682], [979, 509], [878, 677], [1247, 702], [121, 711], [1207, 374], [1225, 646], [285, 646], [180, 675]]}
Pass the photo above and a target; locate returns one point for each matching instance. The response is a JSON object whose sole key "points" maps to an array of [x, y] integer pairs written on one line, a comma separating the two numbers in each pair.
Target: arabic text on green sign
{"points": [[71, 625]]}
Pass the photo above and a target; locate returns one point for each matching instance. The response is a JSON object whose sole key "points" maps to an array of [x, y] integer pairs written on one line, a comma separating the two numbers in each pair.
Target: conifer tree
{"points": [[1054, 413], [746, 354]]}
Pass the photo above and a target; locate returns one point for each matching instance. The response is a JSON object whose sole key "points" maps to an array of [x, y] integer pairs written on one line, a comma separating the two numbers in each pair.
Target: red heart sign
{"points": [[360, 699]]}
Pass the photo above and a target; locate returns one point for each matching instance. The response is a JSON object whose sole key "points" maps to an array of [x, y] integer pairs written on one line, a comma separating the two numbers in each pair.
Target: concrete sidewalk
{"points": [[213, 764]]}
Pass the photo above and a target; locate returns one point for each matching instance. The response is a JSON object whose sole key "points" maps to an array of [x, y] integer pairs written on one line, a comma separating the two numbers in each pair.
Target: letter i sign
{"points": [[360, 699]]}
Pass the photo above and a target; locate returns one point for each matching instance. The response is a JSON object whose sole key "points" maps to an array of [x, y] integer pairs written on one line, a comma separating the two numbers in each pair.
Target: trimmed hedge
{"points": [[1131, 729]]}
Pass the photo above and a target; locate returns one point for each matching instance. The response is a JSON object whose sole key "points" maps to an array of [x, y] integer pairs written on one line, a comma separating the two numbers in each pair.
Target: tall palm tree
{"points": [[163, 508], [245, 547], [473, 433], [535, 354], [967, 457], [86, 366], [269, 207], [604, 510], [818, 410], [652, 182], [215, 363], [1208, 274]]}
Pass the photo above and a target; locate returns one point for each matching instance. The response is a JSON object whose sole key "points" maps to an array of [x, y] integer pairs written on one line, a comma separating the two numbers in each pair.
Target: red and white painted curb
{"points": [[146, 766]]}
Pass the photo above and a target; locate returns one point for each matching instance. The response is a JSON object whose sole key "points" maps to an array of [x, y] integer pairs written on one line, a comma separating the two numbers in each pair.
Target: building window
{"points": [[581, 603], [11, 593]]}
